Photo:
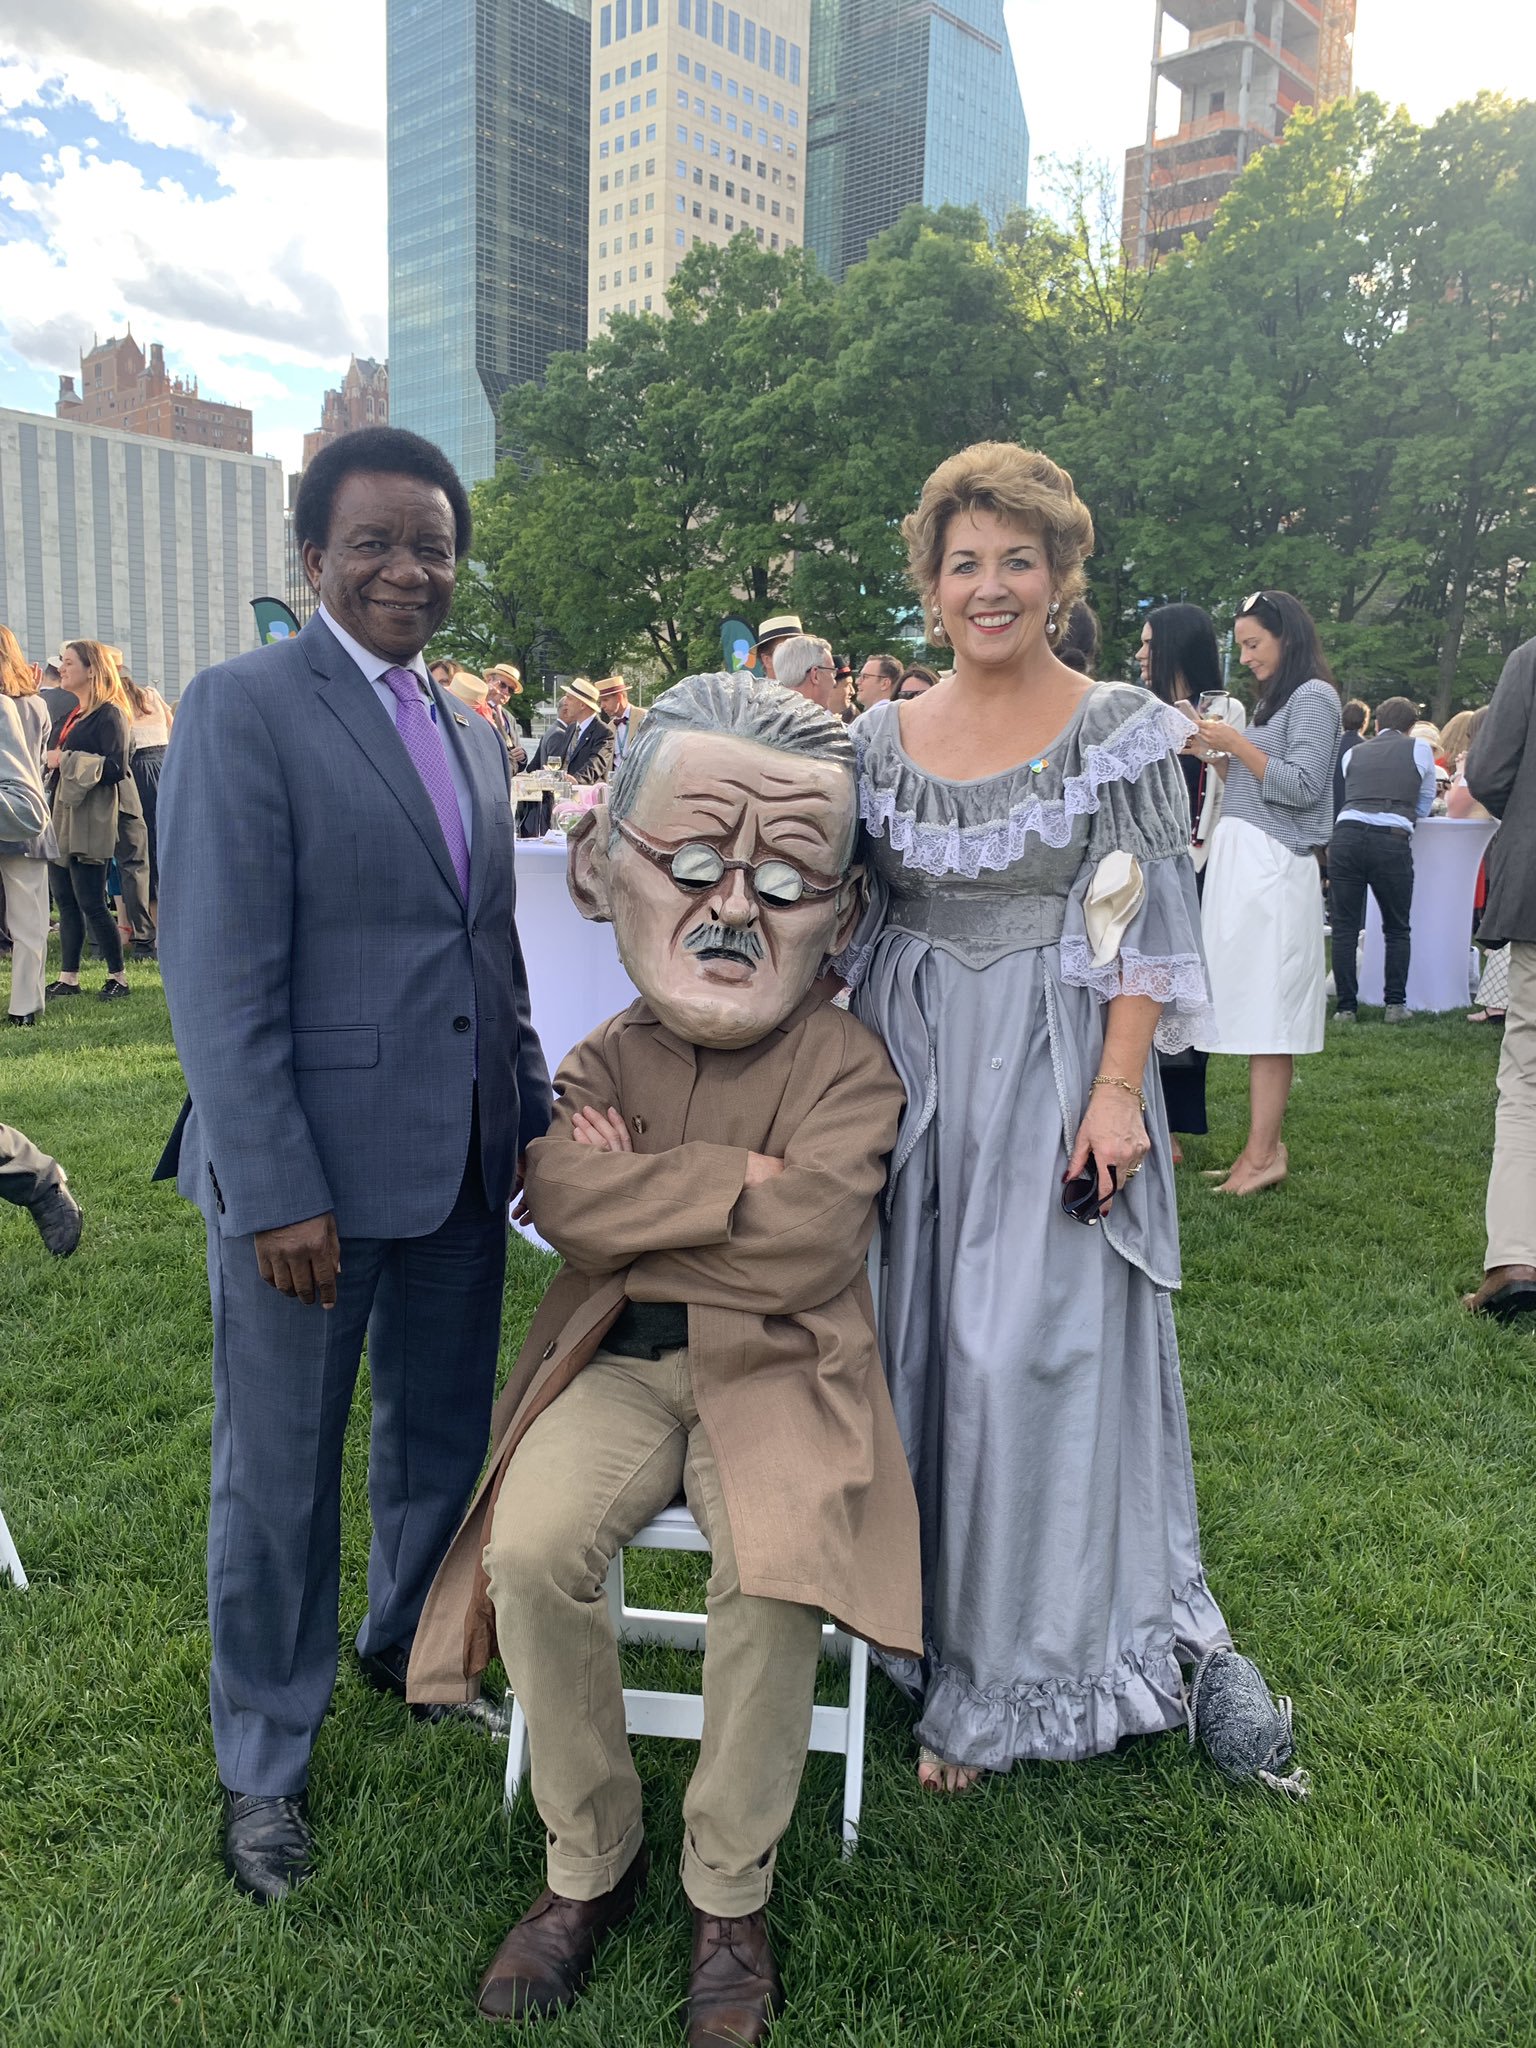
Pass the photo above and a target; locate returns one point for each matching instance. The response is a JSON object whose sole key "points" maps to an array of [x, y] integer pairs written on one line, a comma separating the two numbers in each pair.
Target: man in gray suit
{"points": [[351, 1011], [1501, 774]]}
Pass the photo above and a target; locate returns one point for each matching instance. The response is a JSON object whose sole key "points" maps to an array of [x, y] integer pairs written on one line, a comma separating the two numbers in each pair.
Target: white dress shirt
{"points": [[373, 667]]}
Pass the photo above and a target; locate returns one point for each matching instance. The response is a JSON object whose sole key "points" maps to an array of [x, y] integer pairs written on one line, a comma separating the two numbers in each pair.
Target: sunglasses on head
{"points": [[1261, 600]]}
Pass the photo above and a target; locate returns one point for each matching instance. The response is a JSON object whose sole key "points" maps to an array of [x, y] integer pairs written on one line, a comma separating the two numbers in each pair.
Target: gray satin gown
{"points": [[1031, 1358]]}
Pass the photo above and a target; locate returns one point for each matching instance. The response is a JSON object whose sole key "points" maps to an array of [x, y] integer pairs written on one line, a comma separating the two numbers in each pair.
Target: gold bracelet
{"points": [[1115, 1081]]}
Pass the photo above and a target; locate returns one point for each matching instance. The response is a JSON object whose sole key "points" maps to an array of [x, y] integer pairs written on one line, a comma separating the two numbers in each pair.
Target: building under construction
{"points": [[1241, 69]]}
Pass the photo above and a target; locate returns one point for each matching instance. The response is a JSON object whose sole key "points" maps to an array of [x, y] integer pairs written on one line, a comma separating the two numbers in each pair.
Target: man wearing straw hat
{"points": [[784, 626]]}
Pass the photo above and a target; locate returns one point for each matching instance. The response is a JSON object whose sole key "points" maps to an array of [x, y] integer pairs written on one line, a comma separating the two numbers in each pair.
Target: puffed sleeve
{"points": [[1142, 813]]}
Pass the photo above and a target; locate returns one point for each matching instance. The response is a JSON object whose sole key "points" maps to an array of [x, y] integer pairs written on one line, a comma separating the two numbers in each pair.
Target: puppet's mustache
{"points": [[725, 942]]}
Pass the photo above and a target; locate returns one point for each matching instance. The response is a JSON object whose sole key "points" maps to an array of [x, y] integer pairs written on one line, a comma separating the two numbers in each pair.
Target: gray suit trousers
{"points": [[283, 1376]]}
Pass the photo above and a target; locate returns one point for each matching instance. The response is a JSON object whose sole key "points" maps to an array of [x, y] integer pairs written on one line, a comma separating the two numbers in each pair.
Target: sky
{"points": [[215, 176]]}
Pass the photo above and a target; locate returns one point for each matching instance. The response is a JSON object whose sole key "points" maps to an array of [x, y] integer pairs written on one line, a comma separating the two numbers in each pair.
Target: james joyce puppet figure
{"points": [[710, 1180]]}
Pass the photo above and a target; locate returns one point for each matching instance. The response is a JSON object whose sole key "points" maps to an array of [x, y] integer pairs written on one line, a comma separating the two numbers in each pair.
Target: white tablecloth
{"points": [[1446, 855], [575, 978]]}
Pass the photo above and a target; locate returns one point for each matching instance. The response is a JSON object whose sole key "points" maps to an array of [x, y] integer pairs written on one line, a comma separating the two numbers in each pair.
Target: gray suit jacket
{"points": [[1501, 773], [324, 974]]}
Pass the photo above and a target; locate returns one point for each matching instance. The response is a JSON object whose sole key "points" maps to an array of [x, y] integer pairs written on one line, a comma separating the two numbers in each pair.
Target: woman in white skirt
{"points": [[1262, 910]]}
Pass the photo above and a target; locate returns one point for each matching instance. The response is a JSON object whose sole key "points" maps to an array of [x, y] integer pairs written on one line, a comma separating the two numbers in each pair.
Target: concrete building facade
{"points": [[910, 105], [1241, 69], [360, 400], [154, 548], [120, 387], [698, 132], [487, 170]]}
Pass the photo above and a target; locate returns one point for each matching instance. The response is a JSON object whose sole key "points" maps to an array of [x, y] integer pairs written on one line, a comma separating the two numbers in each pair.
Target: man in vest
{"points": [[1389, 784]]}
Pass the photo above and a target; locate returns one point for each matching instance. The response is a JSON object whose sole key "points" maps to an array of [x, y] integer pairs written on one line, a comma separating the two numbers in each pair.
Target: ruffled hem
{"points": [[1152, 732], [1062, 1720], [1177, 981]]}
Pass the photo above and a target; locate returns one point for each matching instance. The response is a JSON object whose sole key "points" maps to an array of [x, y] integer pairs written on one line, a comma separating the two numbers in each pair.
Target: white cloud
{"points": [[259, 269]]}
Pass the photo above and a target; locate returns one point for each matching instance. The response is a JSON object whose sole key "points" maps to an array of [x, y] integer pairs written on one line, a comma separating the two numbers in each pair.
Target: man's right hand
{"points": [[302, 1260]]}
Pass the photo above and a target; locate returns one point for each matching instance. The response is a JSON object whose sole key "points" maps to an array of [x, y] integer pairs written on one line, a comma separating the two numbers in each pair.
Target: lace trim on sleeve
{"points": [[950, 848], [1177, 981]]}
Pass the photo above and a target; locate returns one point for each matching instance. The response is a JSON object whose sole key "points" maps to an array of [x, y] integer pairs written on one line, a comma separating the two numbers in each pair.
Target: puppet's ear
{"points": [[586, 871], [852, 902]]}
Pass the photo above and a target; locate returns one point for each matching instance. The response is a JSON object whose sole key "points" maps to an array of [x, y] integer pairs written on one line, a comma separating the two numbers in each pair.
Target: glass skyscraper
{"points": [[910, 104], [487, 159]]}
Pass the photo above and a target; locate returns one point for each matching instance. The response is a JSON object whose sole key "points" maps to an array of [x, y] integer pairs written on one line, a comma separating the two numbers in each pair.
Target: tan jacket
{"points": [[780, 1324], [84, 809]]}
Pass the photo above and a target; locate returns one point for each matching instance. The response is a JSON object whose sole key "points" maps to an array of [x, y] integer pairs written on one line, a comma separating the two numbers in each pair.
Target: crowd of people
{"points": [[950, 972]]}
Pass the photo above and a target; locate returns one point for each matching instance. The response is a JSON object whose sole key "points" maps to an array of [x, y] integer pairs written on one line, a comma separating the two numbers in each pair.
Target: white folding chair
{"points": [[10, 1560], [838, 1731]]}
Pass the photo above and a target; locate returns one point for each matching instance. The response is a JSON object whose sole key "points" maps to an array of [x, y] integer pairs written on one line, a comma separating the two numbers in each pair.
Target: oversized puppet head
{"points": [[724, 856]]}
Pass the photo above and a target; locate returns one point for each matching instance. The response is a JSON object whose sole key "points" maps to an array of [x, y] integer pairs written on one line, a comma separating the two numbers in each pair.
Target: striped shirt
{"points": [[1294, 801]]}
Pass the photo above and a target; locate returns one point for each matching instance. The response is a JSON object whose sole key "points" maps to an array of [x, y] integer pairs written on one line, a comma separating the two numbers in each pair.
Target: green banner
{"points": [[274, 621]]}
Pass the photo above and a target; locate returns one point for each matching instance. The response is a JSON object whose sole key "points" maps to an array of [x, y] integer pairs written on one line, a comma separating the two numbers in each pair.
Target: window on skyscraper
{"points": [[650, 98], [652, 13], [650, 133], [733, 31], [749, 40], [605, 26], [651, 61], [716, 21], [714, 217]]}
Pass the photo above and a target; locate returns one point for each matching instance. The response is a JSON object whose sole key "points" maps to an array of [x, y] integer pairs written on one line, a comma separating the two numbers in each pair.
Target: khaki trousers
{"points": [[26, 915], [1512, 1183], [609, 1454]]}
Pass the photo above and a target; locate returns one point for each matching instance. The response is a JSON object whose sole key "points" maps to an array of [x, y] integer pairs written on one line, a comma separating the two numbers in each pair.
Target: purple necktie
{"points": [[424, 744]]}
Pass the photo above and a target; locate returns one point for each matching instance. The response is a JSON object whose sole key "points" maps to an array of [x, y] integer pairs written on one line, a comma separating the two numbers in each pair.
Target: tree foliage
{"points": [[1334, 393]]}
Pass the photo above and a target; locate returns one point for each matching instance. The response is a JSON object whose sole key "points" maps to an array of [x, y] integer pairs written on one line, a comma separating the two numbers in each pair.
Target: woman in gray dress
{"points": [[1035, 933]]}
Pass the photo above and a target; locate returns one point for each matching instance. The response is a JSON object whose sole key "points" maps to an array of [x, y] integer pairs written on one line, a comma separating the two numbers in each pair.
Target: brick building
{"points": [[1241, 69], [120, 389], [360, 400]]}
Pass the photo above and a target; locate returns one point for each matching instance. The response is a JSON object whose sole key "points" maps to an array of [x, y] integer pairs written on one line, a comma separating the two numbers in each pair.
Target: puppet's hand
{"points": [[605, 1132]]}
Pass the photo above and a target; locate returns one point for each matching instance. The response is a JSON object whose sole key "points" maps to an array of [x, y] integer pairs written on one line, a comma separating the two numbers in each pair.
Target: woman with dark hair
{"points": [[917, 681], [1180, 661], [1262, 911], [1078, 646]]}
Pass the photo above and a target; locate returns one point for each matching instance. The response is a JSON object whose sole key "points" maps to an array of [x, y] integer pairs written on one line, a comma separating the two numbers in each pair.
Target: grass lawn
{"points": [[1366, 1459]]}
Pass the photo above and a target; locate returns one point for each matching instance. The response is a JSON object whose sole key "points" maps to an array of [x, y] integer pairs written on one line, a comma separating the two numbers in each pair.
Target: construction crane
{"points": [[1336, 59]]}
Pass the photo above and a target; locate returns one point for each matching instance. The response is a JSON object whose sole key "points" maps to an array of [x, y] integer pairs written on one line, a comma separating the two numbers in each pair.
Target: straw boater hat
{"points": [[468, 688], [782, 627], [584, 688], [609, 683], [507, 670]]}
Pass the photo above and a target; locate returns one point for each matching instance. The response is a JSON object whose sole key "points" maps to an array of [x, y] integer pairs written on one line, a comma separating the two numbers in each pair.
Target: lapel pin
{"points": [[458, 720], [638, 1123]]}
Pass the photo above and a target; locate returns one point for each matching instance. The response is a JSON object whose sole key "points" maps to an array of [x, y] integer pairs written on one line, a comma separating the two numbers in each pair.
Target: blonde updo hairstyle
{"points": [[1018, 485]]}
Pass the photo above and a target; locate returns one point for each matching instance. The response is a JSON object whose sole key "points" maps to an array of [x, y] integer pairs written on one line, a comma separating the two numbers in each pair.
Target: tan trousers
{"points": [[1512, 1183], [26, 915], [610, 1453]]}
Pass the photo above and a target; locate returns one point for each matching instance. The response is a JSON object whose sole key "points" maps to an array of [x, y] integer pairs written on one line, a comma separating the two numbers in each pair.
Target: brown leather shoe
{"points": [[734, 1990], [546, 1959], [1507, 1294]]}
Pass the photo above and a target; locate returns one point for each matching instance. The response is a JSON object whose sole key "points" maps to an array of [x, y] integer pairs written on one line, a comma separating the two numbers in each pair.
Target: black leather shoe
{"points": [[385, 1671], [57, 1216], [142, 949], [267, 1844], [56, 991], [29, 1018]]}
